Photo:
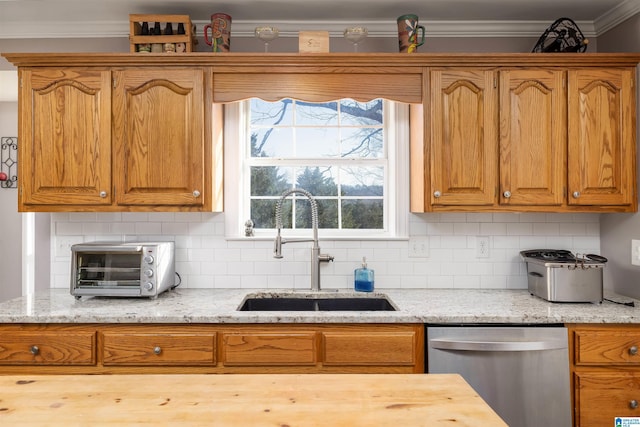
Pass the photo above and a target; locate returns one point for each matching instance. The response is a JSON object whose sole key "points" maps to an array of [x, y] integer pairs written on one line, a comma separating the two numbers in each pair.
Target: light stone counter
{"points": [[220, 306]]}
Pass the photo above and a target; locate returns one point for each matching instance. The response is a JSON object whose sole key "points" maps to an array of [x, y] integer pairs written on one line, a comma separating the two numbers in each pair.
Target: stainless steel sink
{"points": [[315, 302]]}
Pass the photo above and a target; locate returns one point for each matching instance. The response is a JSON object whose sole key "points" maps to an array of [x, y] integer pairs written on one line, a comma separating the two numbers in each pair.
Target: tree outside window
{"points": [[334, 150]]}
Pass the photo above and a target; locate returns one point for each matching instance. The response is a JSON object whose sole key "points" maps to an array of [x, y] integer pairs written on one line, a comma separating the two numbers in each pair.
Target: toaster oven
{"points": [[133, 269]]}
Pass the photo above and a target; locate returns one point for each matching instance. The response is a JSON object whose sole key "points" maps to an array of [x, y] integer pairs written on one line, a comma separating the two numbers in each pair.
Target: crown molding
{"points": [[616, 16], [105, 29]]}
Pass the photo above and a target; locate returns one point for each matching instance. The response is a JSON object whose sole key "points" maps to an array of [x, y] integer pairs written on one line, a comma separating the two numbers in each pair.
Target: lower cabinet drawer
{"points": [[369, 348], [601, 397], [607, 346], [47, 348], [176, 349], [269, 349]]}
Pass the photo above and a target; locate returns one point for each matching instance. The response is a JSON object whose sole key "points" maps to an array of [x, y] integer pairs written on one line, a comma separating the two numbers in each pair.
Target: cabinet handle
{"points": [[196, 193], [506, 194], [633, 404], [437, 194], [34, 350], [576, 194], [157, 350], [103, 194], [633, 350]]}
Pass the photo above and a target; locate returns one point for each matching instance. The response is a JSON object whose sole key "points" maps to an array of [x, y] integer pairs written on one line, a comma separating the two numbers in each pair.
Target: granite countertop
{"points": [[220, 306]]}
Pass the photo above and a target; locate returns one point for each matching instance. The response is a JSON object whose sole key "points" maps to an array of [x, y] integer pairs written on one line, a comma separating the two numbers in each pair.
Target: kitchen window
{"points": [[346, 153]]}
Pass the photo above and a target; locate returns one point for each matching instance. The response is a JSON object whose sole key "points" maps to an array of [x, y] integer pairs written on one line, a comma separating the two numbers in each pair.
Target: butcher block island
{"points": [[243, 400]]}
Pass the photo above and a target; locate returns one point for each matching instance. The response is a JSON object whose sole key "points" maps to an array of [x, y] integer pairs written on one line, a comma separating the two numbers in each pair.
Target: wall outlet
{"points": [[482, 247], [635, 252], [419, 248], [63, 246]]}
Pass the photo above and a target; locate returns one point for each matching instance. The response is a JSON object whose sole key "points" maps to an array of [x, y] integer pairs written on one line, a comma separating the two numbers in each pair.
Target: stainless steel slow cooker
{"points": [[557, 275]]}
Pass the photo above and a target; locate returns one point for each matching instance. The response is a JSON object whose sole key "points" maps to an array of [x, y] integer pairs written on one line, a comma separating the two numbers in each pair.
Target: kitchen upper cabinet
{"points": [[159, 137], [602, 132], [65, 138], [463, 131], [127, 139], [533, 142], [488, 132], [526, 139], [497, 138]]}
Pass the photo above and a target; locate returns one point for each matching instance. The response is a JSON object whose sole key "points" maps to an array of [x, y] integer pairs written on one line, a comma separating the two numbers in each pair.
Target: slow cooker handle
{"points": [[597, 258]]}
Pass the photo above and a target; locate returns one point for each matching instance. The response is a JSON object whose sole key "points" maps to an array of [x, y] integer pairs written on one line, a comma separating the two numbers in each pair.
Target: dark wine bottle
{"points": [[157, 31], [144, 47], [181, 46], [168, 31]]}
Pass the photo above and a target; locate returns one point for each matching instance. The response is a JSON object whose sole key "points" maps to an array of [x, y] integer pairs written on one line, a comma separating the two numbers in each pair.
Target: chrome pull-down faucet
{"points": [[316, 256]]}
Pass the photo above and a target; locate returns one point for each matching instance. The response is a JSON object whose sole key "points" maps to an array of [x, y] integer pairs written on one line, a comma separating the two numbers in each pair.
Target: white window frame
{"points": [[236, 181]]}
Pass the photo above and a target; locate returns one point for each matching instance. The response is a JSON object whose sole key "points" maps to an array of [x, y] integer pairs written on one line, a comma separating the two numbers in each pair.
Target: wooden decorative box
{"points": [[182, 42]]}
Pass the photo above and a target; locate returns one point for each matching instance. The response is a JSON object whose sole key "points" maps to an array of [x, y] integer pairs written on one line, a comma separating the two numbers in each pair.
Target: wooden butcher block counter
{"points": [[243, 400]]}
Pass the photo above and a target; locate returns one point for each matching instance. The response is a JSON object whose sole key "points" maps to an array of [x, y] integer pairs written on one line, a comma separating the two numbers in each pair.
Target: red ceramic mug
{"points": [[220, 32]]}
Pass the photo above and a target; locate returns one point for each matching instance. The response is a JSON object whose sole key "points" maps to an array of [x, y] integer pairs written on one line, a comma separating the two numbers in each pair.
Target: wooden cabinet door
{"points": [[600, 397], [532, 137], [464, 147], [159, 136], [65, 139], [601, 159]]}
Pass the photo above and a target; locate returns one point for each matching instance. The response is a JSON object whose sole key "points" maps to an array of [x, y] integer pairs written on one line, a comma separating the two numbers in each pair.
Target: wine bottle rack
{"points": [[135, 31]]}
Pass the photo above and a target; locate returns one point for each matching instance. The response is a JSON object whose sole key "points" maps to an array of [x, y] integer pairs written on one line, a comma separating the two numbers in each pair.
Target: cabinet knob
{"points": [[633, 350], [437, 194], [157, 350], [103, 194], [34, 350], [506, 194], [196, 193], [576, 194], [633, 404]]}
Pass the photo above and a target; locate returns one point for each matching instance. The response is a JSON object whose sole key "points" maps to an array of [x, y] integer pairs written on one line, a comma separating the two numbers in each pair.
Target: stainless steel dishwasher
{"points": [[522, 372]]}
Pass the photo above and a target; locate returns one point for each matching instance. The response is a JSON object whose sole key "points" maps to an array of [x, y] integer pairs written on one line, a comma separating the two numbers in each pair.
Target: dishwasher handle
{"points": [[474, 345]]}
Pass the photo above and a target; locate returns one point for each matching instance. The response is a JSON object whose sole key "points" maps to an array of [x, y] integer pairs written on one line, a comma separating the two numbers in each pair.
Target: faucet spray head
{"points": [[277, 246]]}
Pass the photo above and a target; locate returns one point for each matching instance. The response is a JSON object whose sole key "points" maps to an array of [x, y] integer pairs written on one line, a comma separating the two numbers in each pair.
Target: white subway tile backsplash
{"points": [[148, 227], [205, 259]]}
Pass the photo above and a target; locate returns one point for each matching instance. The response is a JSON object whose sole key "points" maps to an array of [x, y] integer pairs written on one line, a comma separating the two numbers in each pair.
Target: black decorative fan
{"points": [[562, 36]]}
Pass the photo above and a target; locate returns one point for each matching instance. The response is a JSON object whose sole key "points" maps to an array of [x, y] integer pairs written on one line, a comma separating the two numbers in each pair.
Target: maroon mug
{"points": [[220, 32]]}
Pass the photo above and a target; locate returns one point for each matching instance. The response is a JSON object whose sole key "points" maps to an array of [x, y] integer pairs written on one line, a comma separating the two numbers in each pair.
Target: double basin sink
{"points": [[320, 301]]}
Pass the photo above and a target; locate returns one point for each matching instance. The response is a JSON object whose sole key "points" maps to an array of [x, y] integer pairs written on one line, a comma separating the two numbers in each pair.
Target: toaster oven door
{"points": [[107, 273]]}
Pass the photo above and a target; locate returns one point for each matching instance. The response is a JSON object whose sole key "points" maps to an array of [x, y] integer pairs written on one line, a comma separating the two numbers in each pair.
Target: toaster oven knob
{"points": [[148, 259], [148, 286], [148, 273]]}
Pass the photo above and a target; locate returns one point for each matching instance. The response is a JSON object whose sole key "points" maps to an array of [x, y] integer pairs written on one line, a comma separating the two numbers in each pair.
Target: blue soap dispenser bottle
{"points": [[364, 278]]}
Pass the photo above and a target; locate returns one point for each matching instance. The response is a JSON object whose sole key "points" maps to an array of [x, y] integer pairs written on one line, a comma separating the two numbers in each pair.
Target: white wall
{"points": [[10, 219], [619, 229]]}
